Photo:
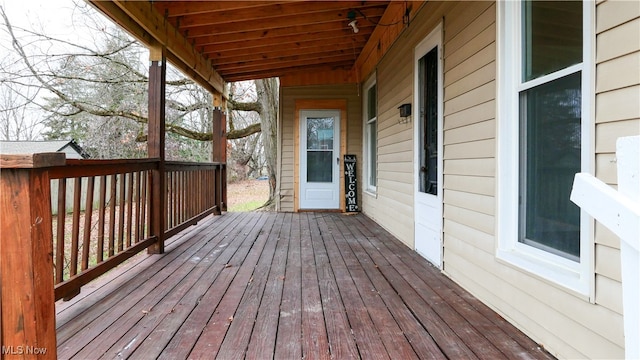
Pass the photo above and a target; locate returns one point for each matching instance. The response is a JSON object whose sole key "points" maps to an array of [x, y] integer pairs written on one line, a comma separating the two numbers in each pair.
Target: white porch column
{"points": [[620, 212], [628, 154]]}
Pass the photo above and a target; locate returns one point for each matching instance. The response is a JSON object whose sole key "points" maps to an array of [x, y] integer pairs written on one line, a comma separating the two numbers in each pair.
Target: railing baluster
{"points": [[62, 211], [144, 228], [88, 213], [129, 210], [101, 216], [181, 192], [218, 195], [199, 186], [136, 232], [75, 226], [112, 214], [173, 210], [193, 194], [122, 205]]}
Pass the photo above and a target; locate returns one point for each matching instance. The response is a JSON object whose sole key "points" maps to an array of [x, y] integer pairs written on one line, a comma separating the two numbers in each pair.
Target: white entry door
{"points": [[428, 148], [319, 159]]}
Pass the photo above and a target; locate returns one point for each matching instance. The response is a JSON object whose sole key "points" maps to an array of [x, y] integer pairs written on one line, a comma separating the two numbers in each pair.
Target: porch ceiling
{"points": [[256, 39], [243, 40]]}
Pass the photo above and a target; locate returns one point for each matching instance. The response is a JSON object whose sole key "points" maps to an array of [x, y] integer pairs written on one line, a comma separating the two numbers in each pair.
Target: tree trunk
{"points": [[268, 96]]}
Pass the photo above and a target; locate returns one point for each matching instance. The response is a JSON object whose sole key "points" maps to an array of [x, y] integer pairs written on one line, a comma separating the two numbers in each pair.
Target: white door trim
{"points": [[431, 251]]}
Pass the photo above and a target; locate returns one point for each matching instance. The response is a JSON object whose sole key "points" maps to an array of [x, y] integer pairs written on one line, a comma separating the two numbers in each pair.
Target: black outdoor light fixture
{"points": [[405, 110], [405, 113]]}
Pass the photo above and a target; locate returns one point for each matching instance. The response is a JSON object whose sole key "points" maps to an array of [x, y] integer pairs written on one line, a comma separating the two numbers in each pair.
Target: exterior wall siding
{"points": [[392, 205], [617, 114], [568, 324], [288, 97]]}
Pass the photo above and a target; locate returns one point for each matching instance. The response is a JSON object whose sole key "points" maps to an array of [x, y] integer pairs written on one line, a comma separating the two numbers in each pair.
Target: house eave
{"points": [[143, 22]]}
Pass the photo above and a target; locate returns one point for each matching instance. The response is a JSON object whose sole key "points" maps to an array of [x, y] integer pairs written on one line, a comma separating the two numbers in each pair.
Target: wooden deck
{"points": [[283, 286]]}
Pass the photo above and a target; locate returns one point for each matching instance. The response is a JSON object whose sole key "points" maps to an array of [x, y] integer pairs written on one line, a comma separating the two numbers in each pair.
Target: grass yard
{"points": [[247, 195]]}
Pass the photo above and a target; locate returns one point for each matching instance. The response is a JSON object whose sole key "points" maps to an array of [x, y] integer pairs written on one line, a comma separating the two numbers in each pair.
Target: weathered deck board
{"points": [[98, 320], [284, 286], [502, 332]]}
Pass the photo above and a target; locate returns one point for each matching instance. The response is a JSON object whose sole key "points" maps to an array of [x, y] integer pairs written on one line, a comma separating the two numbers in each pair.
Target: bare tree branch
{"points": [[98, 110], [244, 106], [231, 135]]}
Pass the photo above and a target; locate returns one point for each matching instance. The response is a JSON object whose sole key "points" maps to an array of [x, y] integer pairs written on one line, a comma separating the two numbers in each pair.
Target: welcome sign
{"points": [[350, 183]]}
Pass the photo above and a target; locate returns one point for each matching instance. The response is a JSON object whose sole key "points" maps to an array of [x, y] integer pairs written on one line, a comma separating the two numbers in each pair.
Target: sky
{"points": [[51, 15]]}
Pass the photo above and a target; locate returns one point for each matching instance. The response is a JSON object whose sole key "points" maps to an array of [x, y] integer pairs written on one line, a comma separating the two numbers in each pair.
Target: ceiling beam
{"points": [[143, 21], [262, 74], [384, 36], [288, 61], [231, 58], [312, 31], [283, 46], [185, 8], [276, 12], [276, 22]]}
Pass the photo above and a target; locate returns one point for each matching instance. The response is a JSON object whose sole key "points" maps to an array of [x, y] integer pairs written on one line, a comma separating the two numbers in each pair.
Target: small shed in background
{"points": [[69, 147]]}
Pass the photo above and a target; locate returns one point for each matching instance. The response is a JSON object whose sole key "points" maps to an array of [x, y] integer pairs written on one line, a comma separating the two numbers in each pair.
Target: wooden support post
{"points": [[156, 145], [219, 155], [27, 311]]}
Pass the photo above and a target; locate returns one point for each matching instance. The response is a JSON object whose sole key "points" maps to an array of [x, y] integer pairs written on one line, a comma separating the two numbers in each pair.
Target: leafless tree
{"points": [[96, 94]]}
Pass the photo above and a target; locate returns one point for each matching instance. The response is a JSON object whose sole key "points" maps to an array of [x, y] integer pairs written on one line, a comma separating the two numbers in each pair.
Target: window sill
{"points": [[552, 269], [371, 192]]}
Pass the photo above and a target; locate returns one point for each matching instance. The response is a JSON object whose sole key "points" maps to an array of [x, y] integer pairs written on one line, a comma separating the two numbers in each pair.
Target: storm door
{"points": [[319, 159], [428, 147]]}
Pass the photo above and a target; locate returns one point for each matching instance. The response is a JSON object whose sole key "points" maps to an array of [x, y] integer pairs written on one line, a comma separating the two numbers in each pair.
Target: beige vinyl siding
{"points": [[392, 205], [469, 131], [469, 124], [568, 324], [617, 106], [288, 97]]}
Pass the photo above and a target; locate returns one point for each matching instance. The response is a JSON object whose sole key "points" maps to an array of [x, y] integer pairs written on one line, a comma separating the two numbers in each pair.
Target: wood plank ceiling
{"points": [[257, 39]]}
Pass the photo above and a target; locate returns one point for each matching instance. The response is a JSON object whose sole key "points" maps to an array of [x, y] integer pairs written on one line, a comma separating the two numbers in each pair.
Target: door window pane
{"points": [[552, 36], [320, 149], [371, 136], [428, 92], [319, 166], [320, 133], [549, 158]]}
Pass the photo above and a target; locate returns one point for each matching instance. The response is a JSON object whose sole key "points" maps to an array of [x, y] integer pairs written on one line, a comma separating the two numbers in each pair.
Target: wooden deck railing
{"points": [[105, 212], [106, 220], [190, 194]]}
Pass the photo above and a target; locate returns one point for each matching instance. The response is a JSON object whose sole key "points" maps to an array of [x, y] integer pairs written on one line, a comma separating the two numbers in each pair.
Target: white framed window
{"points": [[370, 114], [544, 137]]}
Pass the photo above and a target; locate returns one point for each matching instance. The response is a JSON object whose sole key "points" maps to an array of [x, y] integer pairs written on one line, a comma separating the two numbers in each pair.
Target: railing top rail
{"points": [[84, 162], [31, 161], [186, 166], [191, 163], [78, 168]]}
